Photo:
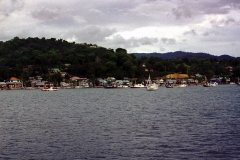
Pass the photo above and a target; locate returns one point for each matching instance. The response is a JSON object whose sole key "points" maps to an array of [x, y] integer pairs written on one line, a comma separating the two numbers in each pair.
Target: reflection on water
{"points": [[179, 123]]}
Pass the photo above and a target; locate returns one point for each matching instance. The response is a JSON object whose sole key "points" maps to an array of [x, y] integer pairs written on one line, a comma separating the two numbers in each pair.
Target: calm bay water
{"points": [[171, 123]]}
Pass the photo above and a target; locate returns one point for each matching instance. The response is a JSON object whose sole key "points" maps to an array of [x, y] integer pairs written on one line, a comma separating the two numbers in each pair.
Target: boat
{"points": [[123, 86], [49, 89], [137, 86], [213, 84], [169, 85], [111, 86], [182, 85], [206, 84], [151, 86]]}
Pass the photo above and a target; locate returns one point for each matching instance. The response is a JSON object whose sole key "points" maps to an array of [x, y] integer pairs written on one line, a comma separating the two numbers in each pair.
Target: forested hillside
{"points": [[24, 58], [181, 54]]}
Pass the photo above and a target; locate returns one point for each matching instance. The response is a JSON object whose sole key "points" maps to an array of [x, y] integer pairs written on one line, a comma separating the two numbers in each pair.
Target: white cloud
{"points": [[138, 26]]}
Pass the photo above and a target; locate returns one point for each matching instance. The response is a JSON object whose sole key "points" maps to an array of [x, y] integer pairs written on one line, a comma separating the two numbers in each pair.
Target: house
{"points": [[177, 76], [111, 79], [54, 70], [3, 85], [14, 82], [38, 83], [229, 68], [63, 74], [77, 81], [126, 81], [67, 65], [198, 75], [101, 82]]}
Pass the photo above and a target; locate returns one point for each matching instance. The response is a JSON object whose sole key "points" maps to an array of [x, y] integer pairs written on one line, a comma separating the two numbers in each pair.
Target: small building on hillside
{"points": [[54, 70]]}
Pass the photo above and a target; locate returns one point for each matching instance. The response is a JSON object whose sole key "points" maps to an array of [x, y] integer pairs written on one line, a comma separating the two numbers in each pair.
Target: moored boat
{"points": [[137, 86], [182, 85], [213, 84], [151, 86], [206, 85], [169, 85], [111, 86], [49, 89]]}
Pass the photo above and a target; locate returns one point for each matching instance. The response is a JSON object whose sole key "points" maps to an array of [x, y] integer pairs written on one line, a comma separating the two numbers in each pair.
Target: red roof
{"points": [[13, 79]]}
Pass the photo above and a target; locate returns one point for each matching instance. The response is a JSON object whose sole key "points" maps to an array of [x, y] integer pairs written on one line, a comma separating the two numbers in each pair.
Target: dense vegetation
{"points": [[92, 61]]}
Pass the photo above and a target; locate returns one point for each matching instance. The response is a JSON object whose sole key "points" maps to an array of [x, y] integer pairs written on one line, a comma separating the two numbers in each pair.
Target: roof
{"points": [[177, 76], [13, 79], [40, 83], [77, 78]]}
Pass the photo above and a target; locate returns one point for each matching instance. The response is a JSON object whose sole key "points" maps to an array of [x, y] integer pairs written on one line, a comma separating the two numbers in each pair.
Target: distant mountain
{"points": [[181, 54]]}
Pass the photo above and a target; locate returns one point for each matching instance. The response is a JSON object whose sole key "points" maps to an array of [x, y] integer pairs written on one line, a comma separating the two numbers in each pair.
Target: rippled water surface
{"points": [[170, 123]]}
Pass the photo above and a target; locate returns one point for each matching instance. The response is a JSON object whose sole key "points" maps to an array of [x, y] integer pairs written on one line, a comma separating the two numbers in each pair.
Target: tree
{"points": [[111, 66], [183, 68], [236, 71], [209, 74], [121, 50], [159, 66]]}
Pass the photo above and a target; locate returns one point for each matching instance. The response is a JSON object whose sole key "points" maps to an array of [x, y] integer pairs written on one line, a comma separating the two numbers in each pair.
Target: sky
{"points": [[139, 26]]}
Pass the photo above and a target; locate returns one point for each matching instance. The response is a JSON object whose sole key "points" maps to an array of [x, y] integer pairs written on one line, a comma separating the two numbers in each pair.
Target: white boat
{"points": [[137, 86], [123, 86], [49, 89], [151, 86], [213, 84], [182, 85]]}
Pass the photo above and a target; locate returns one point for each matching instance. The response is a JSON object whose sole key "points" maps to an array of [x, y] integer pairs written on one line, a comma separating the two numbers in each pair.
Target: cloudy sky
{"points": [[140, 26]]}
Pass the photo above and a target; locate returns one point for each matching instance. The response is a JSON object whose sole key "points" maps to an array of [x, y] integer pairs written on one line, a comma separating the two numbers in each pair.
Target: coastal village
{"points": [[35, 63], [14, 83]]}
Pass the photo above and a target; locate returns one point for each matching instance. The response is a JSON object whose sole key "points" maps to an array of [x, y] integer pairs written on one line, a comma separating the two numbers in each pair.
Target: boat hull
{"points": [[111, 87], [138, 86], [182, 85], [152, 87], [169, 86], [50, 89]]}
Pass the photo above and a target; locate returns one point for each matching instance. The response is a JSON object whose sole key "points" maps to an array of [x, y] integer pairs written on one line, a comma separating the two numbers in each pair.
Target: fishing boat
{"points": [[151, 86]]}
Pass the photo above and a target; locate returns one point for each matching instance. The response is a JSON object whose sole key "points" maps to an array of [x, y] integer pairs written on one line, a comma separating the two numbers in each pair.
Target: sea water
{"points": [[195, 122]]}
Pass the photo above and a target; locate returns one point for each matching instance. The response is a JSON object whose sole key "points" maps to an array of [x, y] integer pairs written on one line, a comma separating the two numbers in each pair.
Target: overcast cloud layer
{"points": [[140, 26]]}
